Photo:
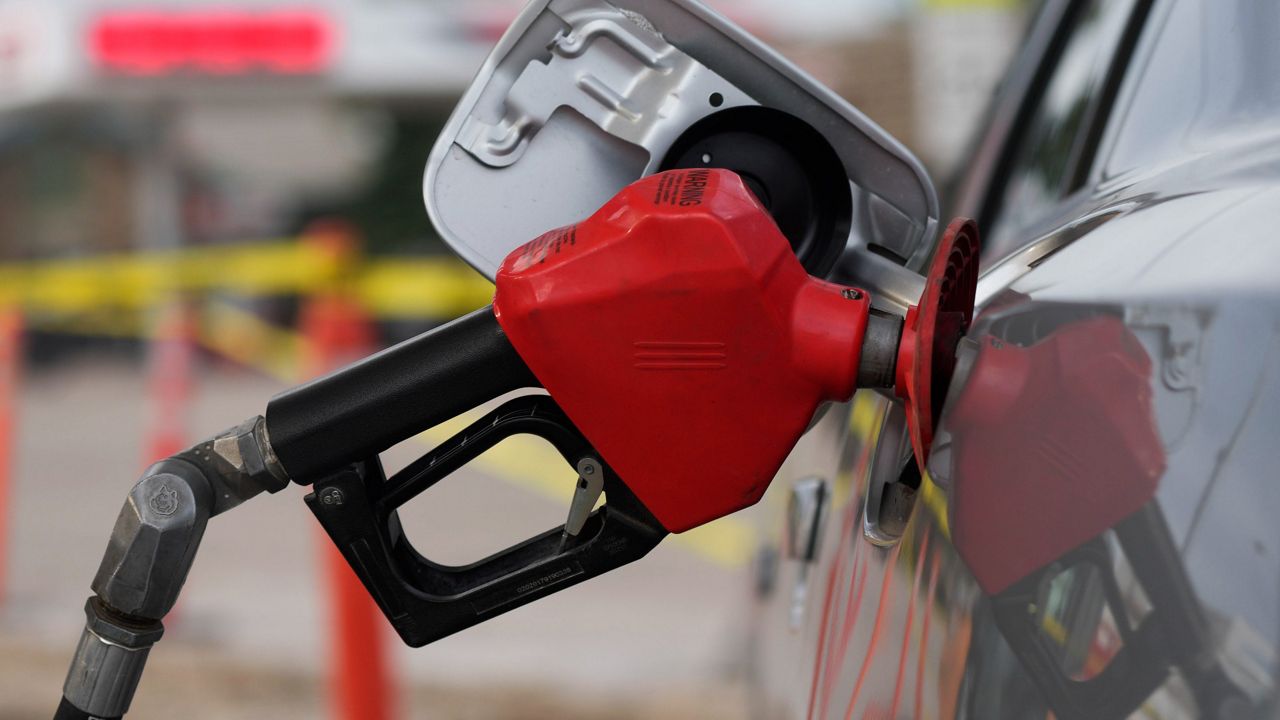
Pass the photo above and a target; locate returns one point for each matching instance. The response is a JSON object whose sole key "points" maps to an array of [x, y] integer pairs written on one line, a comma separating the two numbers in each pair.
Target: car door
{"points": [[879, 616], [1109, 211]]}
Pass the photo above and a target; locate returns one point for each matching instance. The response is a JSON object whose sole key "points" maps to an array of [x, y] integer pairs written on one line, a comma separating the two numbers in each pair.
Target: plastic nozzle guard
{"points": [[927, 353], [679, 332]]}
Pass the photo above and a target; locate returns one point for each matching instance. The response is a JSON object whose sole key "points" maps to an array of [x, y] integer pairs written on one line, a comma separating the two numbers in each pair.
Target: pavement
{"points": [[658, 638]]}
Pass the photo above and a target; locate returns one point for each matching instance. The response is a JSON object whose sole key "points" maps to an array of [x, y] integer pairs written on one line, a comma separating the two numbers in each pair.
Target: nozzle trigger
{"points": [[588, 491]]}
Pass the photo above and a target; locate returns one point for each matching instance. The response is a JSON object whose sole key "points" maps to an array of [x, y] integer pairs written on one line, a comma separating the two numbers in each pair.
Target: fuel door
{"points": [[582, 97]]}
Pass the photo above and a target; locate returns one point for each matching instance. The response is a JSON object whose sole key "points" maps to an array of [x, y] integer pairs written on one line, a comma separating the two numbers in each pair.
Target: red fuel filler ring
{"points": [[927, 352]]}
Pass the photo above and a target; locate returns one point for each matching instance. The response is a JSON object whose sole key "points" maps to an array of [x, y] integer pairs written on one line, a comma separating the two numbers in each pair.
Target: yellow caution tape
{"points": [[401, 288], [422, 287], [240, 335], [110, 296], [143, 280]]}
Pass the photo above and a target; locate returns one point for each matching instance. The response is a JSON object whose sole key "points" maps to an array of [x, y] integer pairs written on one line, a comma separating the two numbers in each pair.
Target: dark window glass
{"points": [[1211, 80], [1040, 174]]}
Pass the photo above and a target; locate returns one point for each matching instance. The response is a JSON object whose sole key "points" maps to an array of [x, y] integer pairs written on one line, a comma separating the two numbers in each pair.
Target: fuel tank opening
{"points": [[789, 166]]}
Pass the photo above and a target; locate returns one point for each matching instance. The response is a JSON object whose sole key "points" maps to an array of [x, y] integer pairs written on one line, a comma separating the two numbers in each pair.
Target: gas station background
{"points": [[202, 203]]}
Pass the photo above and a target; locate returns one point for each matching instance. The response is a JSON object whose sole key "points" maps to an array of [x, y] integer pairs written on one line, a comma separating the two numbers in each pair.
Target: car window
{"points": [[1041, 170], [1211, 77]]}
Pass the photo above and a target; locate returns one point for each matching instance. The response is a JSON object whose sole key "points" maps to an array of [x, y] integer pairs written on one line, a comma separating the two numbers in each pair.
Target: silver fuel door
{"points": [[582, 97]]}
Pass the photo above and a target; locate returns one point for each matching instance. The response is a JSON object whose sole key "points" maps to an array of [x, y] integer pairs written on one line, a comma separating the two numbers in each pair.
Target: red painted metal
{"points": [[926, 356], [682, 336], [1053, 444], [218, 42]]}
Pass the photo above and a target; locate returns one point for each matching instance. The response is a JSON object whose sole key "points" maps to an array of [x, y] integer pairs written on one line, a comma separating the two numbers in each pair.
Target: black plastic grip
{"points": [[424, 601], [67, 711], [356, 412]]}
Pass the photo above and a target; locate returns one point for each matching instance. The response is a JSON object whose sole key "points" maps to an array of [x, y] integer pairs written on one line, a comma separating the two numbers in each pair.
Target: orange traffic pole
{"points": [[10, 362], [360, 684], [360, 677], [170, 359]]}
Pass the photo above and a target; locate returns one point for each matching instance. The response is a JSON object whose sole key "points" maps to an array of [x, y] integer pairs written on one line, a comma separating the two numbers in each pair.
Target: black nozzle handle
{"points": [[365, 408], [358, 507]]}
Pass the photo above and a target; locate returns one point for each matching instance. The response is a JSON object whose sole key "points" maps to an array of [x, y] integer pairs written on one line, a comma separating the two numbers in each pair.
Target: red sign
{"points": [[216, 42]]}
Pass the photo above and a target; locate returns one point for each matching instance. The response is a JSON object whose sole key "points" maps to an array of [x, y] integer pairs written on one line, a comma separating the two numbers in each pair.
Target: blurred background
{"points": [[184, 234]]}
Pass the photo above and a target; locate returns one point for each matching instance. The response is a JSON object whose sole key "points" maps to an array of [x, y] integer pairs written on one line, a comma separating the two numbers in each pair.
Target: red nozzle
{"points": [[680, 333]]}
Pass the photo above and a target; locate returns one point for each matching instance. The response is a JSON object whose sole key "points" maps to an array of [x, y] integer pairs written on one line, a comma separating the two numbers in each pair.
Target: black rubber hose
{"points": [[365, 408], [67, 711]]}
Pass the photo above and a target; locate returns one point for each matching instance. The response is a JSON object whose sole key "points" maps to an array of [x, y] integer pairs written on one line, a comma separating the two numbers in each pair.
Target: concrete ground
{"points": [[656, 639]]}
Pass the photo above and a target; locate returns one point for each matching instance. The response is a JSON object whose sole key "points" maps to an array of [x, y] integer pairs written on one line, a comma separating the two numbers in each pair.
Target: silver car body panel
{"points": [[1180, 250]]}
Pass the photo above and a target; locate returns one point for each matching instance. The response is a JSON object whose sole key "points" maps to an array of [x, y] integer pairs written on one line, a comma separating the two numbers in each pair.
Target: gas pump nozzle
{"points": [[684, 350]]}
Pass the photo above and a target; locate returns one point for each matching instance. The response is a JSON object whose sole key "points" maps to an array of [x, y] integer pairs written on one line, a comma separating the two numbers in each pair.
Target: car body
{"points": [[1096, 536]]}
